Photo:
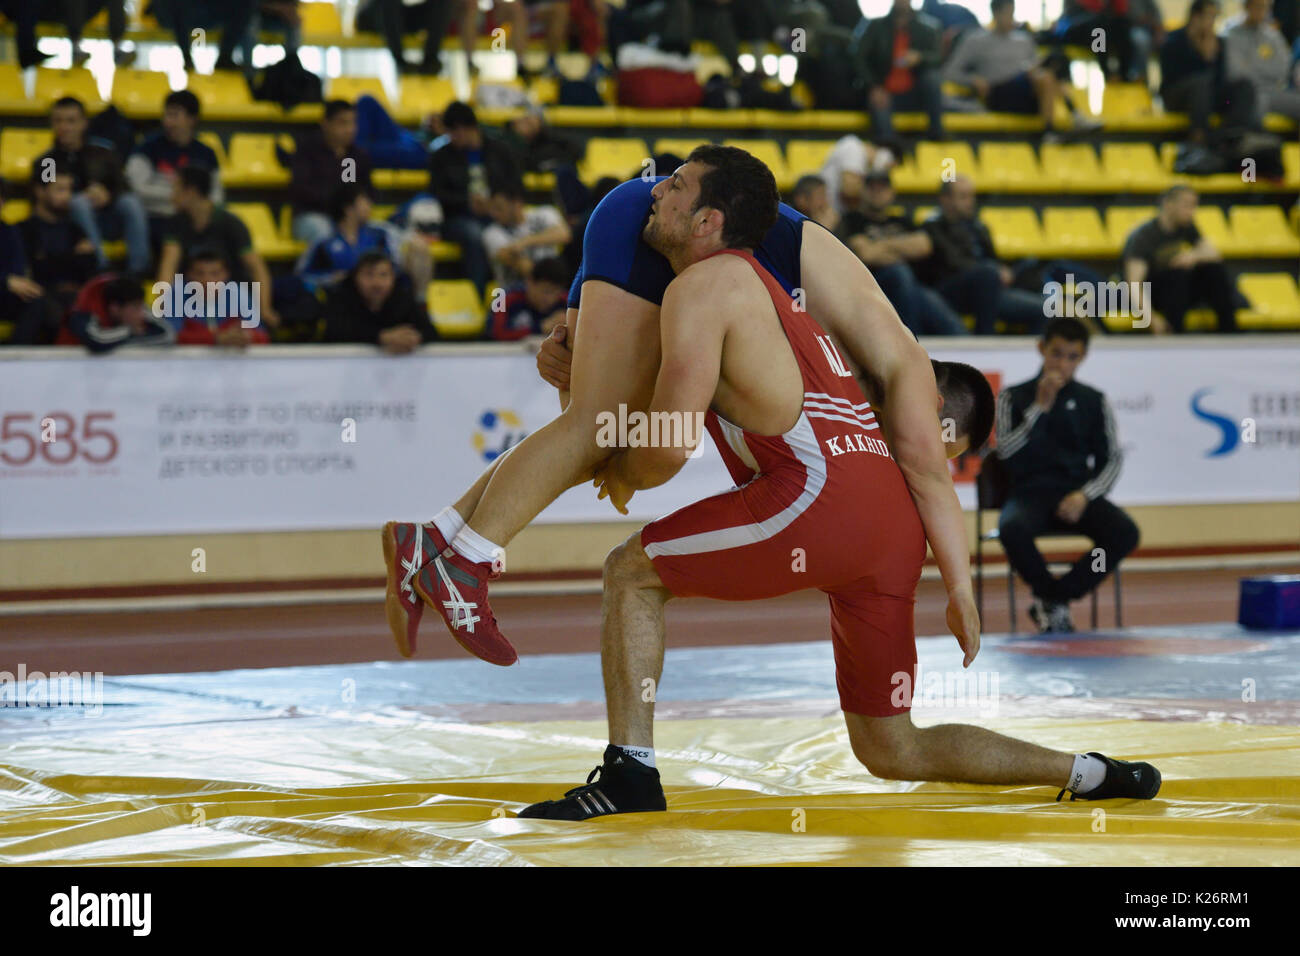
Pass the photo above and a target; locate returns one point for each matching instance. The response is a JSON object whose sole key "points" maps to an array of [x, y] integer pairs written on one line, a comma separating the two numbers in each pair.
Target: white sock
{"points": [[448, 522], [1086, 774], [472, 545], [645, 755]]}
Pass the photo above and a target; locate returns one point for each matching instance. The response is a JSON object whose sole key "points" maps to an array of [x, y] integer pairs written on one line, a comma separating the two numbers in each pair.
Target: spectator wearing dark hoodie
{"points": [[22, 300], [109, 313], [61, 257], [370, 306], [151, 170], [535, 306], [102, 203], [900, 62], [324, 160], [462, 175], [1194, 76]]}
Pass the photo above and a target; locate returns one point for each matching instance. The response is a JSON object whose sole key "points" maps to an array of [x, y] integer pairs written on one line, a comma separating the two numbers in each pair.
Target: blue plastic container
{"points": [[1270, 602]]}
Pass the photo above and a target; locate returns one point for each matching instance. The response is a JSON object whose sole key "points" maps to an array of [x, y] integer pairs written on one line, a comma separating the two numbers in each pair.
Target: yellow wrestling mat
{"points": [[381, 788]]}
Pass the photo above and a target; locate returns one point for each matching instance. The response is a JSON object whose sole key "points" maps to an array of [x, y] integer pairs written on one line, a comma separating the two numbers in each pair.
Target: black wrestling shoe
{"points": [[626, 786], [1124, 778]]}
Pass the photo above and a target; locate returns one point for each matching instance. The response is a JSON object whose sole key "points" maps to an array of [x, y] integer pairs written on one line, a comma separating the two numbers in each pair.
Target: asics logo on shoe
{"points": [[460, 612], [1074, 783]]}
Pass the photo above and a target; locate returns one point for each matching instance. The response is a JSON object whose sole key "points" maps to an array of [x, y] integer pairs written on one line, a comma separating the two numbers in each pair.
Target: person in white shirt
{"points": [[520, 235]]}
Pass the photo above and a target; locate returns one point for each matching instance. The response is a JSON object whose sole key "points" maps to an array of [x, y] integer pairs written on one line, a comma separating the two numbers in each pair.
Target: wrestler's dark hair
{"points": [[740, 187], [967, 400]]}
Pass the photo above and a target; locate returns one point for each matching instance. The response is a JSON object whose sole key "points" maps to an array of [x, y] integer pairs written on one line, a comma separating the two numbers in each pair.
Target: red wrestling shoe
{"points": [[407, 548], [456, 588]]}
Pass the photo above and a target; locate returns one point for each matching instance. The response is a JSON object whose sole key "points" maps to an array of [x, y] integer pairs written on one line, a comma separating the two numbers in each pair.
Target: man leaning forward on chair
{"points": [[1057, 439]]}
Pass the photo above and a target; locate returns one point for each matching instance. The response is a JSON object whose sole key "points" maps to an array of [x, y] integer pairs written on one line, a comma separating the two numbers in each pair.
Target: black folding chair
{"points": [[992, 486]]}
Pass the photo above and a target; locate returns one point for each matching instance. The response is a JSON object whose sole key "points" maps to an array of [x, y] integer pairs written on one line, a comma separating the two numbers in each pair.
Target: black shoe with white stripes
{"points": [[1124, 778], [625, 786]]}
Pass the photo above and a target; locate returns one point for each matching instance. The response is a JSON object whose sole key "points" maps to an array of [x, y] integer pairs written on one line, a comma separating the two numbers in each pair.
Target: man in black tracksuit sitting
{"points": [[1057, 438]]}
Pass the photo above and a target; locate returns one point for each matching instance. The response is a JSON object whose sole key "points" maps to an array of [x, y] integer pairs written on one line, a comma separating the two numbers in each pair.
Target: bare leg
{"points": [[893, 748], [631, 642], [615, 361]]}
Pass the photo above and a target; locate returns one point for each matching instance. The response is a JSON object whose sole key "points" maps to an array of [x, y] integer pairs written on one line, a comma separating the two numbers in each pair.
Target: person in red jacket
{"points": [[209, 269], [109, 312]]}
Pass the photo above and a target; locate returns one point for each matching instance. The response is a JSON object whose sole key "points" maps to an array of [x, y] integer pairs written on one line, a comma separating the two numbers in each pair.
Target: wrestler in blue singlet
{"points": [[614, 252]]}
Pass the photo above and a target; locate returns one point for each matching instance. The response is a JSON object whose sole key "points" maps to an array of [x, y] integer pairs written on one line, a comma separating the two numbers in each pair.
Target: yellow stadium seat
{"points": [[1274, 301], [1071, 168], [139, 93], [620, 158], [421, 95], [539, 182], [320, 23], [921, 214], [444, 251], [267, 241], [213, 142], [1132, 167], [224, 95], [404, 179], [1122, 220], [15, 211], [456, 309], [19, 148], [1128, 106], [78, 81], [544, 90], [14, 100], [936, 162], [1262, 231], [769, 153], [1077, 231], [678, 147], [1012, 168], [1015, 230], [352, 88], [805, 156], [1291, 165], [1214, 227], [252, 162], [615, 116]]}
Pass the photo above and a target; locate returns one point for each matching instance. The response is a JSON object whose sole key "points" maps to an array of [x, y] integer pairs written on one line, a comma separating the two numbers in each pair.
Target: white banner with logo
{"points": [[301, 438]]}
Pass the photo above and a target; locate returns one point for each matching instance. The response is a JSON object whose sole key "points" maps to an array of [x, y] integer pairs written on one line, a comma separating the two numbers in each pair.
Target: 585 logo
{"points": [[58, 438]]}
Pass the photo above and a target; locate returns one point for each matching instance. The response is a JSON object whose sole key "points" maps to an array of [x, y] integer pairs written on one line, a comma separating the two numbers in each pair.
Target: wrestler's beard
{"points": [[656, 238]]}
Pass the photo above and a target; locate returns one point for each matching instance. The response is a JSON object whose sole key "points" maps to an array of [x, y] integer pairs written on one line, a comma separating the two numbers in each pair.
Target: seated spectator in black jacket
{"points": [[102, 203], [463, 172], [59, 254], [959, 262], [22, 300], [323, 161], [1194, 78], [900, 61], [151, 170], [886, 242], [810, 197], [371, 306], [200, 224], [1060, 446], [535, 306], [110, 312], [1182, 266]]}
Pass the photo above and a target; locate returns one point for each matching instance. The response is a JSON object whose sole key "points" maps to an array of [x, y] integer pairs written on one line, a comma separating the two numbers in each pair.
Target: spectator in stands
{"points": [[846, 167], [1058, 440], [200, 224], [1182, 266], [59, 253], [463, 172], [958, 260], [1256, 51], [1003, 67], [101, 204], [221, 324], [371, 306], [954, 19], [78, 14], [886, 241], [151, 170], [1194, 79], [810, 197], [536, 146], [22, 13], [521, 235], [22, 300], [827, 62], [900, 62], [726, 24], [109, 313], [328, 260], [395, 19], [535, 306], [504, 12], [322, 162], [1116, 54], [230, 17]]}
